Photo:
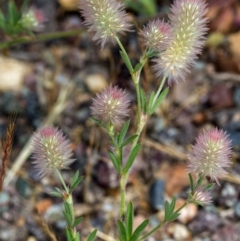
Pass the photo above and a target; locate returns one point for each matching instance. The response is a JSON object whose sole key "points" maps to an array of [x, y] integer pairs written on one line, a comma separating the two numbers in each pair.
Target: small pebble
{"points": [[156, 194], [180, 232]]}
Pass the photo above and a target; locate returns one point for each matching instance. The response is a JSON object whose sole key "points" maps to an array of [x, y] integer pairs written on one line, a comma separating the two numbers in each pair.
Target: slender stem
{"points": [[152, 231], [124, 51], [62, 181], [160, 88], [40, 37], [122, 191]]}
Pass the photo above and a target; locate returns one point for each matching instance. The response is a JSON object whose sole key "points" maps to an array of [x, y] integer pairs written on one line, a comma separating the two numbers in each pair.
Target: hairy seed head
{"points": [[111, 106], [189, 27], [106, 18], [156, 35], [51, 150], [211, 154], [202, 196]]}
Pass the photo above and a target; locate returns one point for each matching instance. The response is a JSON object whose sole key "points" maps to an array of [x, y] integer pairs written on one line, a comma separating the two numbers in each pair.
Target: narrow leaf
{"points": [[209, 186], [77, 221], [55, 194], [69, 235], [129, 220], [75, 184], [191, 182], [123, 132], [137, 67], [172, 205], [122, 231], [115, 161], [159, 100], [75, 177], [127, 62], [139, 230], [98, 122], [131, 158], [173, 217], [92, 235], [150, 102], [68, 218], [77, 236], [167, 210], [129, 140]]}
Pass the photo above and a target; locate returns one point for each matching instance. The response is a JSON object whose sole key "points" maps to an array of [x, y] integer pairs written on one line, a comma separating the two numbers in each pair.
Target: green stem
{"points": [[62, 181], [124, 51], [160, 88], [40, 37], [122, 191], [152, 231]]}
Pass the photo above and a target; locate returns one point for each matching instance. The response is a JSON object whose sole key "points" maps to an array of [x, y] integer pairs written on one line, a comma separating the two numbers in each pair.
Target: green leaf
{"points": [[127, 61], [55, 194], [98, 122], [151, 54], [131, 158], [76, 180], [173, 217], [69, 212], [129, 220], [150, 102], [13, 14], [68, 218], [191, 182], [167, 210], [69, 235], [209, 186], [139, 230], [172, 205], [77, 236], [115, 161], [2, 21], [143, 101], [130, 139], [122, 231], [77, 221], [159, 100], [137, 67], [123, 132], [24, 6], [92, 235], [199, 181]]}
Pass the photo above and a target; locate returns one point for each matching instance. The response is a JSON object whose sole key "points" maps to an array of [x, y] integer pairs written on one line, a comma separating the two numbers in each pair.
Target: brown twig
{"points": [[7, 147]]}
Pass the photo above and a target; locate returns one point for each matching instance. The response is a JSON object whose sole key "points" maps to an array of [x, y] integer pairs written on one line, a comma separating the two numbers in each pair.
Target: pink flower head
{"points": [[33, 19], [107, 18], [111, 106], [51, 150], [156, 35], [202, 196], [189, 26], [211, 154]]}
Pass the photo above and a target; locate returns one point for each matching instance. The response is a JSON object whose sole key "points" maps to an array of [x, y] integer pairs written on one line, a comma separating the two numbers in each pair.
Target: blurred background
{"points": [[52, 81]]}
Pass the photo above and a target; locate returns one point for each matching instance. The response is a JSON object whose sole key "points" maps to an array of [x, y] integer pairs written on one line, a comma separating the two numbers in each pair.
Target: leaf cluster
{"points": [[10, 23], [125, 229]]}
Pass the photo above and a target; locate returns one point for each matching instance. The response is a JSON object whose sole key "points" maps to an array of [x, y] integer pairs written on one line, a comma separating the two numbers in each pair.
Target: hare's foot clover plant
{"points": [[51, 153], [174, 47]]}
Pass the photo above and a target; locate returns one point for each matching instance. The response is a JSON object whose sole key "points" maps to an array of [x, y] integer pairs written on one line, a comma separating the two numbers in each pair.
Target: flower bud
{"points": [[33, 19], [51, 150], [189, 26], [211, 154], [202, 196], [106, 18], [156, 35], [111, 106]]}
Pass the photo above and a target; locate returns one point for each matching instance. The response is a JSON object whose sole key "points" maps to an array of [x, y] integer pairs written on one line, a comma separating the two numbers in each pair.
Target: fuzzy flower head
{"points": [[156, 35], [111, 106], [107, 18], [211, 154], [189, 26], [202, 196], [51, 150], [33, 19]]}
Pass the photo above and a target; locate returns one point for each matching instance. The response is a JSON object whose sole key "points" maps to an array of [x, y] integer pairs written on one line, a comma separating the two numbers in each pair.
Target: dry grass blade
{"points": [[7, 147]]}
